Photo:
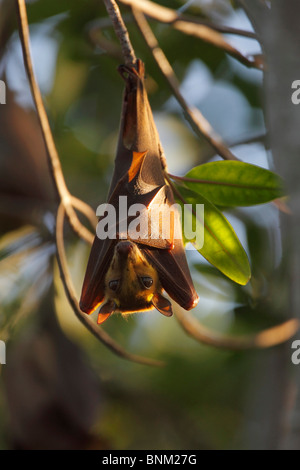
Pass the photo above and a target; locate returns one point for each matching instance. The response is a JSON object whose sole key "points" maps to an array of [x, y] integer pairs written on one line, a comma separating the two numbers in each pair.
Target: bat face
{"points": [[132, 284], [131, 281], [128, 274]]}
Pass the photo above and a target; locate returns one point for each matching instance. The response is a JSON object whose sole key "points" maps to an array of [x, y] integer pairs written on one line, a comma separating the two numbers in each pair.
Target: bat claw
{"points": [[102, 317]]}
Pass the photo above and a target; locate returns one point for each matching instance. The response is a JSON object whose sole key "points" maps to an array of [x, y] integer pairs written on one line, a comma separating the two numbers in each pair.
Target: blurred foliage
{"points": [[199, 400]]}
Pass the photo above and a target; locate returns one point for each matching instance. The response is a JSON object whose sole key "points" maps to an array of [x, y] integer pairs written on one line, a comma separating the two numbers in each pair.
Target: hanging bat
{"points": [[128, 273]]}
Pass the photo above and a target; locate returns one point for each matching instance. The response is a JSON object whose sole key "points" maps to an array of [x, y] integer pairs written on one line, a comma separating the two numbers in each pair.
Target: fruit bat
{"points": [[129, 270]]}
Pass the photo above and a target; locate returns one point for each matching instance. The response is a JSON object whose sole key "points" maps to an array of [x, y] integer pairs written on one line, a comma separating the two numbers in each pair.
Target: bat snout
{"points": [[124, 248]]}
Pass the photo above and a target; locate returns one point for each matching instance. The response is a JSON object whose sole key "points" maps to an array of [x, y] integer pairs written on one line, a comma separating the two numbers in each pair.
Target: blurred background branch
{"points": [[282, 60], [206, 32], [54, 162], [197, 121], [264, 339]]}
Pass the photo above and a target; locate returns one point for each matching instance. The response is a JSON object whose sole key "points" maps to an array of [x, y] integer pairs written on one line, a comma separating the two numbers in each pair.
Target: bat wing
{"points": [[174, 274], [138, 136], [93, 289], [101, 254]]}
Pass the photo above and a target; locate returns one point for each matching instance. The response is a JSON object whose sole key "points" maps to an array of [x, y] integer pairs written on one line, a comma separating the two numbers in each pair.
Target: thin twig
{"points": [[184, 179], [98, 39], [86, 210], [264, 339], [169, 16], [62, 191], [197, 121], [190, 26], [121, 32], [262, 138], [97, 331], [173, 187]]}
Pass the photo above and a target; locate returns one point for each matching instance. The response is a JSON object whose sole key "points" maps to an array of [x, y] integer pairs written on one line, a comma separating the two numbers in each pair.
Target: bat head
{"points": [[132, 284]]}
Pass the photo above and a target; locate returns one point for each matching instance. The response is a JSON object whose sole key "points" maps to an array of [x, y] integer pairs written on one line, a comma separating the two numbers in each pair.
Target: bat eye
{"points": [[113, 285], [147, 282]]}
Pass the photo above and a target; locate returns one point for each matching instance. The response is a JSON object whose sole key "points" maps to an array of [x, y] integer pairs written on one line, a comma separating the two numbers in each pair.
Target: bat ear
{"points": [[162, 304], [105, 311]]}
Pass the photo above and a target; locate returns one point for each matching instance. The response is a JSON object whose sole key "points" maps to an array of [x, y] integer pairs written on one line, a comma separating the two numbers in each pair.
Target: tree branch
{"points": [[121, 32], [264, 339], [169, 16], [62, 191], [197, 121], [200, 29]]}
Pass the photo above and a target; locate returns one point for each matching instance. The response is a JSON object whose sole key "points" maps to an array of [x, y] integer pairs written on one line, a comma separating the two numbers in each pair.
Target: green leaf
{"points": [[221, 246], [230, 183]]}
